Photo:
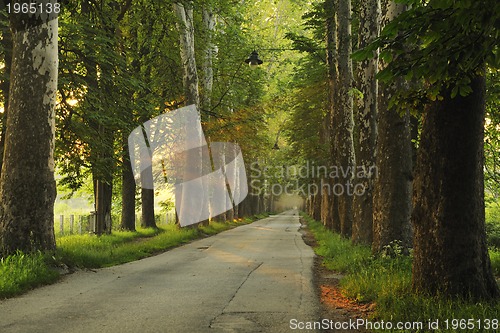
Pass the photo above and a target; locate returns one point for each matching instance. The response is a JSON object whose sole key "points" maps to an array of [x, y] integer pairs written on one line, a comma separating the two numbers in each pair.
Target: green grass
{"points": [[495, 261], [386, 282], [21, 272], [90, 251]]}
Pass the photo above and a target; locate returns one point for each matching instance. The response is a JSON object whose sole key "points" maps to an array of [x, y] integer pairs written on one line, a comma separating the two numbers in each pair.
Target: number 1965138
{"points": [[33, 8]]}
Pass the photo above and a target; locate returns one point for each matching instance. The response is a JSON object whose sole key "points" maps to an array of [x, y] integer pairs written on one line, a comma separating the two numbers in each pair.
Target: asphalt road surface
{"points": [[254, 278]]}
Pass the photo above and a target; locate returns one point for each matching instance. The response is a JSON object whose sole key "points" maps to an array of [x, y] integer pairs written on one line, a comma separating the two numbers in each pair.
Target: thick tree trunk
{"points": [[392, 187], [27, 185], [127, 219], [333, 99], [147, 194], [103, 155], [210, 50], [5, 85], [450, 252], [148, 208], [185, 25], [344, 122], [317, 206], [325, 206], [103, 196], [369, 27], [128, 190]]}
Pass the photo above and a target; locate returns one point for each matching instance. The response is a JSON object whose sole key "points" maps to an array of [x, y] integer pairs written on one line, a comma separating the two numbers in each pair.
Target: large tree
{"points": [[366, 120], [343, 119], [392, 185], [444, 46], [449, 199], [27, 185]]}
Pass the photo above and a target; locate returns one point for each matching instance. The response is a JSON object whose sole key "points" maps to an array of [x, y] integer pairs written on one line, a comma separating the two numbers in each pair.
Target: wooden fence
{"points": [[83, 224]]}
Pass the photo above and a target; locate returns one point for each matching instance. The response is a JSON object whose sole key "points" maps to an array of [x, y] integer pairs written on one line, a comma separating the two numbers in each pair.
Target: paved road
{"points": [[254, 278]]}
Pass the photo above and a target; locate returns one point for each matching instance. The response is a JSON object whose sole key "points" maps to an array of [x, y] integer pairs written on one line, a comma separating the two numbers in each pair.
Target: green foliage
{"points": [[492, 135], [167, 205], [495, 260], [438, 45], [20, 272], [493, 222], [386, 282]]}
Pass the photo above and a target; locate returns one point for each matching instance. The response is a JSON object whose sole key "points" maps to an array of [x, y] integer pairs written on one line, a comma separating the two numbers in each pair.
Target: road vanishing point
{"points": [[253, 278]]}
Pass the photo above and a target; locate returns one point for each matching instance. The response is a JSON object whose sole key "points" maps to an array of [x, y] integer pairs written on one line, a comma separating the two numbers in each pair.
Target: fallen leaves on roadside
{"points": [[332, 297]]}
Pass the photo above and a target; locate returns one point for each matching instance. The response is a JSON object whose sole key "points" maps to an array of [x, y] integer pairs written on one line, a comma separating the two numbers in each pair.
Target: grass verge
{"points": [[21, 272], [386, 282]]}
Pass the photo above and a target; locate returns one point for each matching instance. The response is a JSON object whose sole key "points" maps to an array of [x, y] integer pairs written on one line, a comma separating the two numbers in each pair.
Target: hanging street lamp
{"points": [[253, 60]]}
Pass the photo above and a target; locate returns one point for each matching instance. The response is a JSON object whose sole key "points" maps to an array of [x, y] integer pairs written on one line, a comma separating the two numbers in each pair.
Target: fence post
{"points": [[71, 223], [61, 225], [80, 225]]}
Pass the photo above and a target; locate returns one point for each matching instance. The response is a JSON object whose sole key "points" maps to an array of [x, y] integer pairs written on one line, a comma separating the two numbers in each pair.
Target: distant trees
{"points": [[27, 184]]}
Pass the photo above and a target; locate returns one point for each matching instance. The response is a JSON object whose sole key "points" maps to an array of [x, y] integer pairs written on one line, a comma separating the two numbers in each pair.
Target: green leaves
{"points": [[437, 45]]}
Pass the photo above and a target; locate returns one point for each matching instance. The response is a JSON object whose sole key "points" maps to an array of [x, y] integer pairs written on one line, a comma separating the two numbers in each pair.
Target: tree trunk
{"points": [[326, 206], [392, 188], [369, 27], [317, 206], [127, 220], [333, 100], [5, 85], [210, 51], [148, 208], [128, 190], [344, 122], [27, 184], [147, 190], [103, 196], [185, 25], [450, 252]]}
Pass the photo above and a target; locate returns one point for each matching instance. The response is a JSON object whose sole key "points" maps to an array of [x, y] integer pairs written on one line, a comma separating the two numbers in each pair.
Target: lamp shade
{"points": [[253, 60]]}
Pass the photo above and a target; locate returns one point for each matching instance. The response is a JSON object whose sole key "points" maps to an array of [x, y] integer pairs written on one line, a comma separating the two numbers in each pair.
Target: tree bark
{"points": [[392, 187], [148, 209], [5, 85], [185, 25], [27, 184], [333, 98], [317, 205], [147, 191], [450, 252], [344, 118], [128, 190], [369, 27], [210, 51]]}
